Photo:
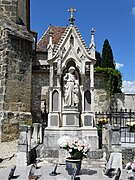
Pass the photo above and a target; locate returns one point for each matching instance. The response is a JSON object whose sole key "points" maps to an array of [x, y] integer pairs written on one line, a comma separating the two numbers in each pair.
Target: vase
{"points": [[133, 173], [73, 166]]}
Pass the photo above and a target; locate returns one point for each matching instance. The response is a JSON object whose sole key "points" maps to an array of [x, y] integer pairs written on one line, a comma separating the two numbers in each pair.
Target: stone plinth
{"points": [[116, 141], [70, 117], [50, 146], [87, 119], [53, 119], [22, 150]]}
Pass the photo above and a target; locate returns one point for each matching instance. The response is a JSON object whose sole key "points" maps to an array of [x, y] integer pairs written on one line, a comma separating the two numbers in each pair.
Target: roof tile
{"points": [[57, 34]]}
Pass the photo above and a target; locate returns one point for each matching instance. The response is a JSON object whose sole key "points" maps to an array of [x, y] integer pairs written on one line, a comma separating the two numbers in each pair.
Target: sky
{"points": [[112, 19]]}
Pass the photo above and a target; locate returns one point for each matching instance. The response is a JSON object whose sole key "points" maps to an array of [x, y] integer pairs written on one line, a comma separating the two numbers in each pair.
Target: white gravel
{"points": [[7, 150]]}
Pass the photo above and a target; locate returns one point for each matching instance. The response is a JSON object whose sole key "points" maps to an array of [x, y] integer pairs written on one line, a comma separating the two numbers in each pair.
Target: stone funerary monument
{"points": [[50, 80], [71, 87]]}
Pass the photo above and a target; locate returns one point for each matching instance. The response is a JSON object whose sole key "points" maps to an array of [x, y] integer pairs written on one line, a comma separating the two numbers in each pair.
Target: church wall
{"points": [[15, 83], [18, 81], [9, 7], [39, 100]]}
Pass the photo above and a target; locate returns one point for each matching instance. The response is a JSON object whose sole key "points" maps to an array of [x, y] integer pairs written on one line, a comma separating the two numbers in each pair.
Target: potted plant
{"points": [[130, 167], [77, 149], [99, 127]]}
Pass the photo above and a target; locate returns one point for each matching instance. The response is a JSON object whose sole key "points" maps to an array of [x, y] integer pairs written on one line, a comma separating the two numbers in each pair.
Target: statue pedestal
{"points": [[70, 117], [50, 147]]}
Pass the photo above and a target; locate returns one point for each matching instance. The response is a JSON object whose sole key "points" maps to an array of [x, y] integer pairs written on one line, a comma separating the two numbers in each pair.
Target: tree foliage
{"points": [[107, 56], [114, 83], [98, 58], [106, 65]]}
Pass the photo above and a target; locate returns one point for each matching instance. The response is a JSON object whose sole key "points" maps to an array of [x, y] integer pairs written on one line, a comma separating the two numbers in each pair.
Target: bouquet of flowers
{"points": [[100, 124], [102, 121], [130, 166], [77, 148]]}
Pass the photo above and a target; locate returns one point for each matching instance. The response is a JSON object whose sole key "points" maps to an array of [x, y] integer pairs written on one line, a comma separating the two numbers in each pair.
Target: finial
{"points": [[50, 32], [72, 19], [50, 36], [92, 44], [92, 31]]}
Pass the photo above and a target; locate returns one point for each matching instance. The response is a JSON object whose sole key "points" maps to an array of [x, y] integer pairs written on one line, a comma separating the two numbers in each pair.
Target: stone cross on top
{"points": [[71, 19]]}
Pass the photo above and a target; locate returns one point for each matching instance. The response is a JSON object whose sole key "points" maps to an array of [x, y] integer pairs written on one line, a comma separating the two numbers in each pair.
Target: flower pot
{"points": [[133, 173], [73, 166]]}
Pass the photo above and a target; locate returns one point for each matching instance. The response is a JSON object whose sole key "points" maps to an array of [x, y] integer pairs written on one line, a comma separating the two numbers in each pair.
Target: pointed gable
{"points": [[72, 37], [44, 40]]}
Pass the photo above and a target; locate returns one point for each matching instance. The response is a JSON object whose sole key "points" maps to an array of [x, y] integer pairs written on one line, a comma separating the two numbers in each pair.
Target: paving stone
{"points": [[85, 173], [7, 173], [22, 172]]}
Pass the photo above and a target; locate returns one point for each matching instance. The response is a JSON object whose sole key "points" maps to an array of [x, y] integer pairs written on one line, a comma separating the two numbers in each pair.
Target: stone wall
{"points": [[124, 101], [15, 73], [39, 100], [24, 12], [16, 63], [10, 122], [101, 98], [9, 7]]}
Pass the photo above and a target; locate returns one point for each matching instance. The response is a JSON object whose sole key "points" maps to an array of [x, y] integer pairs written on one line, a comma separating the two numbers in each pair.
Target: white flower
{"points": [[128, 165], [62, 141]]}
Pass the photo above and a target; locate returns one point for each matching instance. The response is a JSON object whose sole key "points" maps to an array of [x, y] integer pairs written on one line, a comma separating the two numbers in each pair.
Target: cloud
{"points": [[118, 65], [128, 87], [133, 11]]}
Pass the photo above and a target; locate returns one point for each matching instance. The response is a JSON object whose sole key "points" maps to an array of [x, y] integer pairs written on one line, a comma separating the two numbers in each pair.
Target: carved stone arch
{"points": [[55, 100], [87, 100]]}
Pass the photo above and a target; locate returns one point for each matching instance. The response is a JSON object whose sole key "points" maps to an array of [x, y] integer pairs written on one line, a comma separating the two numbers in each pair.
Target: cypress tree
{"points": [[107, 56], [98, 58]]}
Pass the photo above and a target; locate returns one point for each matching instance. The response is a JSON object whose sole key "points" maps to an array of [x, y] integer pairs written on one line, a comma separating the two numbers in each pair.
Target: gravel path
{"points": [[8, 152]]}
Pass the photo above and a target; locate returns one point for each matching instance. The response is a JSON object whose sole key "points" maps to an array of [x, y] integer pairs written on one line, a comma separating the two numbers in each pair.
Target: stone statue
{"points": [[71, 88], [76, 93]]}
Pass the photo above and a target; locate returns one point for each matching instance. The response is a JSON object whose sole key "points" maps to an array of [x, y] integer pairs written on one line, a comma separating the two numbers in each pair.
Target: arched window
{"points": [[87, 100], [55, 100]]}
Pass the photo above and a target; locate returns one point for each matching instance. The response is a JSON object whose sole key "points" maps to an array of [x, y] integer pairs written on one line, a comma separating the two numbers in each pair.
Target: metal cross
{"points": [[72, 10]]}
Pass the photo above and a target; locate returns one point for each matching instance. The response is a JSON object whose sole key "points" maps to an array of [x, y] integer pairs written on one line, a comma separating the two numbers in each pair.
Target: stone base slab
{"points": [[52, 135]]}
